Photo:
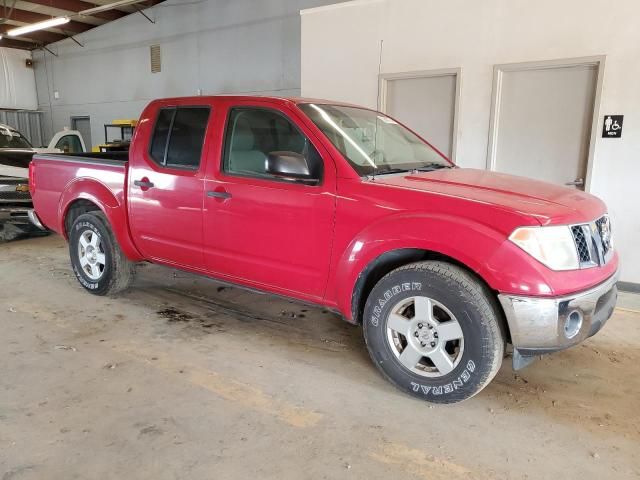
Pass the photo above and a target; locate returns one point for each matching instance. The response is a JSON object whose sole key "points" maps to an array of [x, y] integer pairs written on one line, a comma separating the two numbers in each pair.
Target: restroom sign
{"points": [[612, 126]]}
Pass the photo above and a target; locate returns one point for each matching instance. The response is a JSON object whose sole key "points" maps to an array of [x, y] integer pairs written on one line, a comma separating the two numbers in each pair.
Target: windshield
{"points": [[12, 139], [372, 142]]}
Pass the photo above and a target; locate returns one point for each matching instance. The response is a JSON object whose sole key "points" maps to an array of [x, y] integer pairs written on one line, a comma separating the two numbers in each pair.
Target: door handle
{"points": [[223, 195], [143, 184], [578, 182]]}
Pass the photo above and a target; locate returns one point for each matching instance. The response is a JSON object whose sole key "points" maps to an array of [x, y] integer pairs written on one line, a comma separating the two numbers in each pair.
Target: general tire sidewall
{"points": [[81, 225], [474, 367]]}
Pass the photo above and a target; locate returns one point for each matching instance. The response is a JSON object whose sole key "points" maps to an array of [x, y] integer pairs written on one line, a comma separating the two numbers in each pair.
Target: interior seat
{"points": [[243, 157]]}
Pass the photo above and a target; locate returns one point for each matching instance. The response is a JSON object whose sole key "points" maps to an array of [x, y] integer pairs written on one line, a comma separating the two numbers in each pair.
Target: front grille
{"points": [[593, 242], [603, 224], [14, 196], [12, 181], [581, 243]]}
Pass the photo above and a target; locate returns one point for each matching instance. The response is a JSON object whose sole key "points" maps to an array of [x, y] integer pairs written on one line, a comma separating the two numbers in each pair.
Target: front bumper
{"points": [[15, 215], [545, 325]]}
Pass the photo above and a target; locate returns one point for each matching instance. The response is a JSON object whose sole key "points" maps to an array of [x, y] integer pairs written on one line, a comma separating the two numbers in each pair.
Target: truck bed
{"points": [[60, 177], [88, 157]]}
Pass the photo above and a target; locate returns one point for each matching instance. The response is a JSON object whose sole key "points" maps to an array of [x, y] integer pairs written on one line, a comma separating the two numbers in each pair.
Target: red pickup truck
{"points": [[344, 207]]}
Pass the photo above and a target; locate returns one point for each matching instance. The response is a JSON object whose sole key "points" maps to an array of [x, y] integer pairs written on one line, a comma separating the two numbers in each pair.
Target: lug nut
{"points": [[430, 327], [435, 334], [420, 325], [433, 344], [416, 334], [423, 344]]}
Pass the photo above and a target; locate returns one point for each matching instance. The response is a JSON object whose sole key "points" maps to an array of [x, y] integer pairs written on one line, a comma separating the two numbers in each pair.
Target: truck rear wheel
{"points": [[434, 331], [96, 258]]}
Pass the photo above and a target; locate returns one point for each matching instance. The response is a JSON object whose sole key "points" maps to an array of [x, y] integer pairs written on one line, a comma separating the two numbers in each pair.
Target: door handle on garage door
{"points": [[577, 182], [144, 184], [222, 194]]}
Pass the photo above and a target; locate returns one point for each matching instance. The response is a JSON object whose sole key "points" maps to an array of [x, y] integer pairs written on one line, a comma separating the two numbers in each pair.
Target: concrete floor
{"points": [[183, 378]]}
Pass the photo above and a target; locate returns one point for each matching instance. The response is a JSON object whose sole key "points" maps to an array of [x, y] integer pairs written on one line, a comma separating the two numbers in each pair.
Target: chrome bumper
{"points": [[33, 218], [544, 325], [19, 215]]}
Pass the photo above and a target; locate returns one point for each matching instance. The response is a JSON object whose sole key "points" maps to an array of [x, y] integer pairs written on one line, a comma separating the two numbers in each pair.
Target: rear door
{"points": [[166, 183], [261, 230]]}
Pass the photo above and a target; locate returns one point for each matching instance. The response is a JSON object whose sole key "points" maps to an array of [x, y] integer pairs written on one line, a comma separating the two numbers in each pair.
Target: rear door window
{"points": [[178, 137]]}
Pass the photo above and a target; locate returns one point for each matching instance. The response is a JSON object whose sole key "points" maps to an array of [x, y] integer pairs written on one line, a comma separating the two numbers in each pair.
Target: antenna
{"points": [[378, 106]]}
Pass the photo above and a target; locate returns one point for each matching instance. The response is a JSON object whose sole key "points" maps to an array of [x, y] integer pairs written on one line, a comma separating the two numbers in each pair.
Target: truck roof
{"points": [[274, 99]]}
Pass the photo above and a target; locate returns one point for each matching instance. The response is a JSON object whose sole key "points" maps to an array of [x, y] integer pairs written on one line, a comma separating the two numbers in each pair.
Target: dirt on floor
{"points": [[182, 377]]}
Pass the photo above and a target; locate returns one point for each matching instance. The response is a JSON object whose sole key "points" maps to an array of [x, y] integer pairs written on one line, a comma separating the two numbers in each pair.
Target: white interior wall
{"points": [[17, 80], [207, 47], [340, 56]]}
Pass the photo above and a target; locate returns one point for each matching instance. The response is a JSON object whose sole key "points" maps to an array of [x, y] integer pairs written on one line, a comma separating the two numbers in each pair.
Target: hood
{"points": [[15, 162], [546, 202]]}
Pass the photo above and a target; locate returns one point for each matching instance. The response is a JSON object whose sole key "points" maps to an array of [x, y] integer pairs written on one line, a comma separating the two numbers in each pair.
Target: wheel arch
{"points": [[86, 196], [403, 238], [392, 259]]}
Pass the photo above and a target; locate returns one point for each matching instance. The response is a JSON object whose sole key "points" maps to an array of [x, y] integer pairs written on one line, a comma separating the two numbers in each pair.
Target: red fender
{"points": [[502, 265], [114, 209]]}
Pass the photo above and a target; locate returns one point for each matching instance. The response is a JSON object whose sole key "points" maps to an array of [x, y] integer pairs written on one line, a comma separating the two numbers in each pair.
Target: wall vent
{"points": [[156, 64]]}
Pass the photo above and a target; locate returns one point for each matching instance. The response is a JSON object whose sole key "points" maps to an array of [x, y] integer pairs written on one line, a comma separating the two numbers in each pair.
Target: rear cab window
{"points": [[178, 136], [69, 144]]}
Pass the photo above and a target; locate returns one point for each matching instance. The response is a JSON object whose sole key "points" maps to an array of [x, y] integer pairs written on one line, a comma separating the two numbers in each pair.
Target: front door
{"points": [[426, 104], [262, 230], [166, 186]]}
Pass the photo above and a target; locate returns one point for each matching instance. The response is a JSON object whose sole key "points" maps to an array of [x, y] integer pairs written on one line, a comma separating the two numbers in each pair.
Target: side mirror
{"points": [[290, 166]]}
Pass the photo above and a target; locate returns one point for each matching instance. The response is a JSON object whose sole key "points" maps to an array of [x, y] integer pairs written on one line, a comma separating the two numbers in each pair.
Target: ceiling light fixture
{"points": [[109, 6], [54, 22]]}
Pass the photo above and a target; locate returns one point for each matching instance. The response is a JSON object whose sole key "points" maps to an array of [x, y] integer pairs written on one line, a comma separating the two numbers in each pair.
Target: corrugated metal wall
{"points": [[28, 122]]}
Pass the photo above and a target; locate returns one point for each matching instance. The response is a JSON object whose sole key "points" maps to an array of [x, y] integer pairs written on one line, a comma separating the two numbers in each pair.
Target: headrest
{"points": [[243, 137]]}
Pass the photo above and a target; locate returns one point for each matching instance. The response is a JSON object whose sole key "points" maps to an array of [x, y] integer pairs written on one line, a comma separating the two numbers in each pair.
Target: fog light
{"points": [[572, 324]]}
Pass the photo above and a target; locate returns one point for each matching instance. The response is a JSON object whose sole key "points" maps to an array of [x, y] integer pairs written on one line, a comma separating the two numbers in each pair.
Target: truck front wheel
{"points": [[434, 331], [96, 258]]}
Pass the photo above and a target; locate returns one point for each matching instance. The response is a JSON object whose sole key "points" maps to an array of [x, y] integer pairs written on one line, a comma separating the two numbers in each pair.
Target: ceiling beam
{"points": [[76, 6], [20, 45], [24, 16], [44, 37]]}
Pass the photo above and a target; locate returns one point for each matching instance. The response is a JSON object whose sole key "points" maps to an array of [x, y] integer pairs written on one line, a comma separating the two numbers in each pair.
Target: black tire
{"points": [[477, 315], [118, 271]]}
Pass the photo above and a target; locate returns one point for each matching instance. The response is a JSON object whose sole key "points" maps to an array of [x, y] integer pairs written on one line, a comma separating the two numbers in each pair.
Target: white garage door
{"points": [[426, 104], [543, 125]]}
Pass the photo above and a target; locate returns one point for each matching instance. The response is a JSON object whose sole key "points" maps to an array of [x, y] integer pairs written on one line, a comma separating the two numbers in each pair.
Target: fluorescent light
{"points": [[54, 22], [109, 6]]}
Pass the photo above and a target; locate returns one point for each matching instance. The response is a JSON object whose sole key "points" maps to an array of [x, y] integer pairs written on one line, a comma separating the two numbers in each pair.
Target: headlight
{"points": [[552, 246]]}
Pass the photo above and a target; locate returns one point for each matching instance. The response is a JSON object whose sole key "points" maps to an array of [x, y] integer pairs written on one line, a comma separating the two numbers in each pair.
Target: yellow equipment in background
{"points": [[121, 140]]}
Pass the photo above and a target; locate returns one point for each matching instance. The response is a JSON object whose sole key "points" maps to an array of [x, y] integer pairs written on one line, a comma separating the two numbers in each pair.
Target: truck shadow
{"points": [[10, 233], [595, 385], [190, 306]]}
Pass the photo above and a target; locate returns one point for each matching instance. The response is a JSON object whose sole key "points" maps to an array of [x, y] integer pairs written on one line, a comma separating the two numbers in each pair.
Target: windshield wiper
{"points": [[391, 170], [432, 166]]}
